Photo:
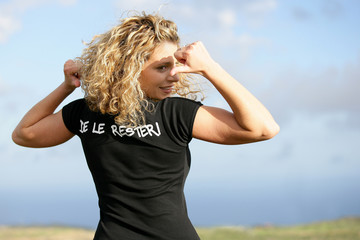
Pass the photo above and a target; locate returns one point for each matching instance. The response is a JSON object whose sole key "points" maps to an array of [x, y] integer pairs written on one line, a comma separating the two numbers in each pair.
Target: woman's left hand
{"points": [[194, 59]]}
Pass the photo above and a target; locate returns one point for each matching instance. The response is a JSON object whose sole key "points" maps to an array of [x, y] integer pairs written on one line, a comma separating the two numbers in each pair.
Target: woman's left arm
{"points": [[249, 120], [41, 127]]}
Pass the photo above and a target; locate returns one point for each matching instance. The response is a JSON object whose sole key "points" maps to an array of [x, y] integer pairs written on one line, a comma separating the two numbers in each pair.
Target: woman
{"points": [[134, 134]]}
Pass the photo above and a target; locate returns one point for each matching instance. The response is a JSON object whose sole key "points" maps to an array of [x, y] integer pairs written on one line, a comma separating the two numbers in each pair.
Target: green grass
{"points": [[342, 229], [45, 233]]}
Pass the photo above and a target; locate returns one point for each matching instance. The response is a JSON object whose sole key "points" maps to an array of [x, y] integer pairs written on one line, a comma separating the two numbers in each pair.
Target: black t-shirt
{"points": [[139, 173]]}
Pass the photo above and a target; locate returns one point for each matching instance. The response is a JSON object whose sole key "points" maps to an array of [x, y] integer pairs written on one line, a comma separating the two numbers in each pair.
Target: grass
{"points": [[45, 233], [342, 229]]}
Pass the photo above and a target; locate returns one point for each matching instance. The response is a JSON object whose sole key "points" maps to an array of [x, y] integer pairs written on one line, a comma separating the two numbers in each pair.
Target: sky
{"points": [[301, 59]]}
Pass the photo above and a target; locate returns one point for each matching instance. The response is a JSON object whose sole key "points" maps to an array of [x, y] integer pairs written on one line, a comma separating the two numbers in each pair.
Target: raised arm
{"points": [[249, 120], [41, 127]]}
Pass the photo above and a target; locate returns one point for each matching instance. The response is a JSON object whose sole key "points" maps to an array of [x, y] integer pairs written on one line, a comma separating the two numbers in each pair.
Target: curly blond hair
{"points": [[112, 64]]}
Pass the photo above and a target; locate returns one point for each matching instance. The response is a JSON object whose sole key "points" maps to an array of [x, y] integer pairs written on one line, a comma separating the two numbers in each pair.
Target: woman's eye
{"points": [[162, 68]]}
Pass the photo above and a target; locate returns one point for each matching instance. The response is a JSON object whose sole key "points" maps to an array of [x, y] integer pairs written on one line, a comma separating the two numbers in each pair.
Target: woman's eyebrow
{"points": [[167, 63]]}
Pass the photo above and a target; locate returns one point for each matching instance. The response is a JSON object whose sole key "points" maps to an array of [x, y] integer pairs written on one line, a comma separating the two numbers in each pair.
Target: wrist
{"points": [[211, 70], [68, 89]]}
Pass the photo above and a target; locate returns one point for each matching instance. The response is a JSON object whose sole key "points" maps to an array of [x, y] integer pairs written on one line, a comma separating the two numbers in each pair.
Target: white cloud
{"points": [[227, 17], [206, 13], [11, 13], [20, 6], [8, 26], [316, 91], [260, 6], [140, 5], [236, 48], [256, 11]]}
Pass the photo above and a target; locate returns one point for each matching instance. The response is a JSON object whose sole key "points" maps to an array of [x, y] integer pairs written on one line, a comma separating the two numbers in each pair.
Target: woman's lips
{"points": [[167, 89]]}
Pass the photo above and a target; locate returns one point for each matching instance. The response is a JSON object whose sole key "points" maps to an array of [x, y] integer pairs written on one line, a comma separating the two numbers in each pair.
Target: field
{"points": [[342, 229]]}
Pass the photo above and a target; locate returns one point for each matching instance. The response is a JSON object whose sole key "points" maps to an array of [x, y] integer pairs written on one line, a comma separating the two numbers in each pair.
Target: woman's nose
{"points": [[173, 78]]}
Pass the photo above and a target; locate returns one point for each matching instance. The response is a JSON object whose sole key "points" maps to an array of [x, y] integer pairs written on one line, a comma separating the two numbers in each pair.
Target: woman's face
{"points": [[155, 79]]}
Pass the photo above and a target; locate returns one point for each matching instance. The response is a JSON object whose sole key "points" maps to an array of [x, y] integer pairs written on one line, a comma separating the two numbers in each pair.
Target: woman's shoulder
{"points": [[179, 100], [178, 104], [175, 107], [80, 101], [75, 105]]}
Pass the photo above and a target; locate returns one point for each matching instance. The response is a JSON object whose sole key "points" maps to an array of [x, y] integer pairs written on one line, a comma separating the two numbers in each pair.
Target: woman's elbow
{"points": [[21, 137], [270, 131], [257, 135], [16, 138]]}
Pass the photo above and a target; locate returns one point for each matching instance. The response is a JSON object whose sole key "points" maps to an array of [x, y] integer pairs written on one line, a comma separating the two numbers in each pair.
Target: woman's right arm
{"points": [[41, 127], [249, 120]]}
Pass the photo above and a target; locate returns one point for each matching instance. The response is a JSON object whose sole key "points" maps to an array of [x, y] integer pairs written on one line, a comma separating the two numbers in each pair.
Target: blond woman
{"points": [[136, 120]]}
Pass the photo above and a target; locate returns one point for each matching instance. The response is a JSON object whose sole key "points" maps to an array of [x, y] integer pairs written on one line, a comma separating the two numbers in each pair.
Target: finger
{"points": [[77, 83], [78, 64], [180, 55], [180, 69], [71, 65]]}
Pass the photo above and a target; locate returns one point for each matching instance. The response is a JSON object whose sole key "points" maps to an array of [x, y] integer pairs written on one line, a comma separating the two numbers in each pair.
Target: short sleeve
{"points": [[71, 115], [178, 117]]}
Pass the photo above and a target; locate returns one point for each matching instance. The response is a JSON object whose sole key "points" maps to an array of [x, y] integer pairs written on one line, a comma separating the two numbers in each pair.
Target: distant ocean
{"points": [[209, 205]]}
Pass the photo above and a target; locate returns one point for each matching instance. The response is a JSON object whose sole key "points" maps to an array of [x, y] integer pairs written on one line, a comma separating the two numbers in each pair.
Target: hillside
{"points": [[342, 229]]}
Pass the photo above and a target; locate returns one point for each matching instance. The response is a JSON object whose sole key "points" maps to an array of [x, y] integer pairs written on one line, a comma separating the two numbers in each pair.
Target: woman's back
{"points": [[140, 172]]}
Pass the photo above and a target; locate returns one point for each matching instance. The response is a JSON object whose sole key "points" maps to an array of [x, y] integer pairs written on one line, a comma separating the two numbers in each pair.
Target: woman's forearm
{"points": [[249, 112], [42, 109]]}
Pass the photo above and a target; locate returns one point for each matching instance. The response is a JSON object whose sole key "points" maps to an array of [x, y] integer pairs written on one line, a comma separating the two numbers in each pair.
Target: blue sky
{"points": [[300, 58]]}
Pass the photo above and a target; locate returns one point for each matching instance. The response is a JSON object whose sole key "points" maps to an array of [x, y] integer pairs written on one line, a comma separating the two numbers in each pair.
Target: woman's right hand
{"points": [[71, 72]]}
